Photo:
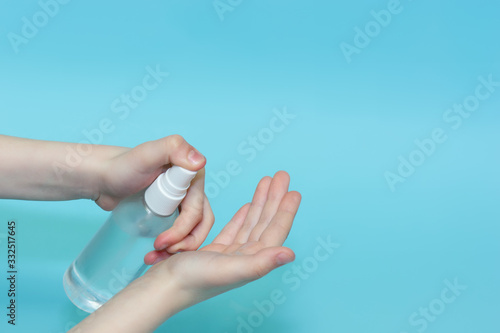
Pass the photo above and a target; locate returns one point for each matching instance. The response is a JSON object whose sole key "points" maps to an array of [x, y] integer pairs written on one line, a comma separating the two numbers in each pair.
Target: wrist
{"points": [[90, 174], [95, 169], [147, 303], [169, 296]]}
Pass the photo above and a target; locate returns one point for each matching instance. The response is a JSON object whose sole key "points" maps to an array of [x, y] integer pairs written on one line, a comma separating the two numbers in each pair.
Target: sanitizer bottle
{"points": [[115, 256]]}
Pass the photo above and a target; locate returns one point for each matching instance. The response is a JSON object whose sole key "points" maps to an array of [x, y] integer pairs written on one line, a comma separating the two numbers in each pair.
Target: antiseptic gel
{"points": [[115, 256]]}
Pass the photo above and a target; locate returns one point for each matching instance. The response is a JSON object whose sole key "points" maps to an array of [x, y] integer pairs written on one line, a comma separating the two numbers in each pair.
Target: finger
{"points": [[194, 240], [191, 214], [152, 155], [277, 231], [278, 189], [252, 267], [229, 232], [154, 257], [233, 271], [253, 216]]}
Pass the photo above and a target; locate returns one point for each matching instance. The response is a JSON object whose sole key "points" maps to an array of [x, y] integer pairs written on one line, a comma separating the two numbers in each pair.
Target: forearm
{"points": [[48, 170], [140, 308]]}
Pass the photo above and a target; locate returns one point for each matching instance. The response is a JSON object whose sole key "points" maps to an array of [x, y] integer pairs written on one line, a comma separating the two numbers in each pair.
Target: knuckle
{"points": [[275, 196], [195, 215], [261, 271], [177, 234], [187, 221], [175, 141], [211, 220], [192, 242], [194, 212]]}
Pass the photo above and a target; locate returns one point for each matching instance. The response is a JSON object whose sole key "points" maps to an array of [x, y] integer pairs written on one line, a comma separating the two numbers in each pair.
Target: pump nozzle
{"points": [[168, 190]]}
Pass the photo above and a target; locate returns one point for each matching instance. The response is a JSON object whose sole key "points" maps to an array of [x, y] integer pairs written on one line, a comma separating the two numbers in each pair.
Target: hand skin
{"points": [[48, 170], [248, 248]]}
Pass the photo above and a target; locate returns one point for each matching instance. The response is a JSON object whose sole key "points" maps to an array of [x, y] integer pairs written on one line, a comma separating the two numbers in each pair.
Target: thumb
{"points": [[172, 149], [263, 262]]}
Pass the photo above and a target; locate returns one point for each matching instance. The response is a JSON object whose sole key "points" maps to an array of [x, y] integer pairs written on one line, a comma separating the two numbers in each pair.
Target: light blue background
{"points": [[353, 121]]}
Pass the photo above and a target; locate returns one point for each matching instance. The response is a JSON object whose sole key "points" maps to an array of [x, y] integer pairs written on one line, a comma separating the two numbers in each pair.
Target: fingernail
{"points": [[282, 259], [195, 157]]}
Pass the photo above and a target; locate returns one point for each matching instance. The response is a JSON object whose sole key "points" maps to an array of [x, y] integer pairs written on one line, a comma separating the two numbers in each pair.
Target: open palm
{"points": [[249, 246]]}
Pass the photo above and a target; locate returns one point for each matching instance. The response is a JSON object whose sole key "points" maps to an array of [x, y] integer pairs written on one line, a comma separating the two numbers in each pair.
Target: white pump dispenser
{"points": [[168, 190]]}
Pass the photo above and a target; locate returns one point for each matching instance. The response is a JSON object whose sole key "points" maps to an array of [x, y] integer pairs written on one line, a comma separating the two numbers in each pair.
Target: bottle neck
{"points": [[151, 211]]}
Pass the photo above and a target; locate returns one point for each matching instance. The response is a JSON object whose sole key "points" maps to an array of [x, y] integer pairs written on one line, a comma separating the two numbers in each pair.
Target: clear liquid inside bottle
{"points": [[115, 256]]}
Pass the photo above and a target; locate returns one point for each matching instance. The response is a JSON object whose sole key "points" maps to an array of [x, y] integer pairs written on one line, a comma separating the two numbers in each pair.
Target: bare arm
{"points": [[48, 170], [141, 307]]}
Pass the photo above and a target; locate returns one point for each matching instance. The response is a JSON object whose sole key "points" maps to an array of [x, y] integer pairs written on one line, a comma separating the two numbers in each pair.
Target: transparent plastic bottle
{"points": [[115, 256]]}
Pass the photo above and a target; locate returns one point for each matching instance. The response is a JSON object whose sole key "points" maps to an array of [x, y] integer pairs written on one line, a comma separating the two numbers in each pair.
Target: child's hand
{"points": [[50, 170], [127, 171], [249, 247]]}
